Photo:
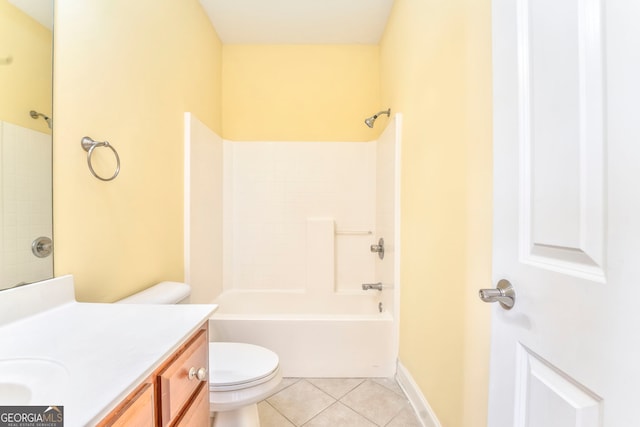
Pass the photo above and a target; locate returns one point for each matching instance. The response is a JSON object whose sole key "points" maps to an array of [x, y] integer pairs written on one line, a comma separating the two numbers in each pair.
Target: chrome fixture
{"points": [[368, 286], [34, 115], [89, 145], [379, 248], [200, 374], [504, 294], [380, 307], [42, 247], [370, 120]]}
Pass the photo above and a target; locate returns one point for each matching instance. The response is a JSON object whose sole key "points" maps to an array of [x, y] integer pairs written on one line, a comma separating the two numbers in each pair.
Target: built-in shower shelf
{"points": [[353, 232]]}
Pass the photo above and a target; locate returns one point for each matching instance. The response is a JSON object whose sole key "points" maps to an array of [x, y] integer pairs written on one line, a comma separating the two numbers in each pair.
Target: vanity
{"points": [[106, 364], [175, 394]]}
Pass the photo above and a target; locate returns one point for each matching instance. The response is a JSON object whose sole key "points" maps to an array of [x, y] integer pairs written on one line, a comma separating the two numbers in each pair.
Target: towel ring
{"points": [[89, 145]]}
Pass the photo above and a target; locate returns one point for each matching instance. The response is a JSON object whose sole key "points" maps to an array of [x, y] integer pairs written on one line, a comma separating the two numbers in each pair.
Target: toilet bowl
{"points": [[240, 375]]}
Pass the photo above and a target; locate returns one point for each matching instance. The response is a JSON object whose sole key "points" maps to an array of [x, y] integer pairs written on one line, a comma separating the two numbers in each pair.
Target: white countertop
{"points": [[106, 349]]}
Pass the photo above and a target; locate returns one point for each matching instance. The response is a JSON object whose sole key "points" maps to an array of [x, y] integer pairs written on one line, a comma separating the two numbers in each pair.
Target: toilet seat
{"points": [[237, 366]]}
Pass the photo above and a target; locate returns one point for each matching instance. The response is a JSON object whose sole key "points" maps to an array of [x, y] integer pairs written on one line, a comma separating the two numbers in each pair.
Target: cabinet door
{"points": [[176, 387], [198, 413], [137, 410]]}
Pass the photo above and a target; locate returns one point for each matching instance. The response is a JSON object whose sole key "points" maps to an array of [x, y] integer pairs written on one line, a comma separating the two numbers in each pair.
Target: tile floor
{"points": [[348, 402]]}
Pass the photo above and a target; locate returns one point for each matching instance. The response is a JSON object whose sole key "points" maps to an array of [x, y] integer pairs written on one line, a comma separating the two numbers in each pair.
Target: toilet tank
{"points": [[162, 293]]}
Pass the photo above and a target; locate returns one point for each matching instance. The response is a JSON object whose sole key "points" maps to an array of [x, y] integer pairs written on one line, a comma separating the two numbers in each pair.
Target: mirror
{"points": [[26, 123]]}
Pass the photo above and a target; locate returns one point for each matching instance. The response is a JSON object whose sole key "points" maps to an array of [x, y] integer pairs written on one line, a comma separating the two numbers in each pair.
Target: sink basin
{"points": [[32, 382]]}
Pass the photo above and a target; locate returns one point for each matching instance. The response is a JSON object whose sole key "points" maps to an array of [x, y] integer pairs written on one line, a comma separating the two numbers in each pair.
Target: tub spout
{"points": [[376, 286]]}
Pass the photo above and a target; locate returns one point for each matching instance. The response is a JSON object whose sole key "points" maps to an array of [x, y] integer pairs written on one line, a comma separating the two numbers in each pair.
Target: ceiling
{"points": [[40, 10], [298, 21]]}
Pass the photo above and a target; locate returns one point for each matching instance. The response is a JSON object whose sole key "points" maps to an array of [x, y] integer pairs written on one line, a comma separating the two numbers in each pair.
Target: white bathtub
{"points": [[328, 335]]}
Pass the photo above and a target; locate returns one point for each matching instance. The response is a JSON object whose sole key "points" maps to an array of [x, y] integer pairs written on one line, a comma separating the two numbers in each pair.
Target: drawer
{"points": [[174, 385]]}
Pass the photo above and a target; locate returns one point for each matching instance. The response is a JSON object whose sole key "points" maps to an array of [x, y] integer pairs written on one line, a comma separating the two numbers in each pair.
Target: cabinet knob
{"points": [[200, 374]]}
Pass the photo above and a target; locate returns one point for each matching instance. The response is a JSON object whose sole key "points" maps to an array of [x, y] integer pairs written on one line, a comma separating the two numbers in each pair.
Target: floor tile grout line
{"points": [[283, 415], [322, 391], [362, 381], [318, 414], [395, 416], [362, 415], [337, 398], [367, 418], [398, 392], [297, 380], [346, 406], [355, 387], [306, 380]]}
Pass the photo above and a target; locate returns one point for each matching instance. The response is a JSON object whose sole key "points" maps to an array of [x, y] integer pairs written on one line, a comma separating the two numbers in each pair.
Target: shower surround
{"points": [[25, 203], [279, 234]]}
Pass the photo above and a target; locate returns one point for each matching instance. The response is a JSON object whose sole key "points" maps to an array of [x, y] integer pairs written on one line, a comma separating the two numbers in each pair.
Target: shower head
{"points": [[34, 115], [369, 121]]}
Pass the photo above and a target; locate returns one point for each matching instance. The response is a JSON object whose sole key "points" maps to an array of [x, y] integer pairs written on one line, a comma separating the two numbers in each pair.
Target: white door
{"points": [[567, 213]]}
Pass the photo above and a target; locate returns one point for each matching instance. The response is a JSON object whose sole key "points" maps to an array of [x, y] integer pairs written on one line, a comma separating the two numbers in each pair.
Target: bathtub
{"points": [[320, 336]]}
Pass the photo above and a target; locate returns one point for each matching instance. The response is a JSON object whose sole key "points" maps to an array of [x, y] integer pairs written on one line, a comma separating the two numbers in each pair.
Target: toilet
{"points": [[240, 375]]}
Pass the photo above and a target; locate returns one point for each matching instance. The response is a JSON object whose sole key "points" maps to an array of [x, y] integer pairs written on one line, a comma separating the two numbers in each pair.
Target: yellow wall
{"points": [[126, 71], [25, 84], [300, 92], [436, 69], [479, 164]]}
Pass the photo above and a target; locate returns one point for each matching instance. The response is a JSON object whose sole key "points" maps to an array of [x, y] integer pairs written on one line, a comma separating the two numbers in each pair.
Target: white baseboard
{"points": [[420, 405]]}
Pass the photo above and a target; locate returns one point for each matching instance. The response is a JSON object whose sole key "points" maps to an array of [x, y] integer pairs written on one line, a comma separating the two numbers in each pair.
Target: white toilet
{"points": [[240, 375]]}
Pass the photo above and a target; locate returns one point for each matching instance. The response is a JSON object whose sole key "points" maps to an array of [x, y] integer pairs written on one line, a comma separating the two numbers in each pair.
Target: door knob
{"points": [[503, 293]]}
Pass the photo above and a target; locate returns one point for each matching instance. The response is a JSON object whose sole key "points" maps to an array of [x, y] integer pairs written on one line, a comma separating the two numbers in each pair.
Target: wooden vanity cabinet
{"points": [[138, 409], [171, 396], [178, 385]]}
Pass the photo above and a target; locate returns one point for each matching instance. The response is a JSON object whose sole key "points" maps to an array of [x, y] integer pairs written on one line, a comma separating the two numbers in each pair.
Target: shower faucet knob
{"points": [[375, 286]]}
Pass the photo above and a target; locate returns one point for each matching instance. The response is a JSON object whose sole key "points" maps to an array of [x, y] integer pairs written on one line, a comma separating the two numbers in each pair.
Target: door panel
{"points": [[546, 396], [566, 213], [561, 114]]}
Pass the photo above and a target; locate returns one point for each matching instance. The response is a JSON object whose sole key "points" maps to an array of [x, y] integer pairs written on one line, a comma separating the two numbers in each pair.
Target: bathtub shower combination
{"points": [[283, 235]]}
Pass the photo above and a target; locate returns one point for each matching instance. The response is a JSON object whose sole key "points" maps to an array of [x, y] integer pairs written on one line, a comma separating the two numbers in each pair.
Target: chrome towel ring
{"points": [[89, 145]]}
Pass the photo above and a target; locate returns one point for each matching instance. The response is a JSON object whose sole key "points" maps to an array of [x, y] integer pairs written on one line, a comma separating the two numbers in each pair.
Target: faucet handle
{"points": [[376, 286]]}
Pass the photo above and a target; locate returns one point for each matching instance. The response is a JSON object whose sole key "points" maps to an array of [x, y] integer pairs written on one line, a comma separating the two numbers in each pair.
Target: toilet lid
{"points": [[232, 363]]}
